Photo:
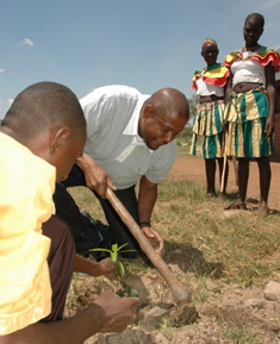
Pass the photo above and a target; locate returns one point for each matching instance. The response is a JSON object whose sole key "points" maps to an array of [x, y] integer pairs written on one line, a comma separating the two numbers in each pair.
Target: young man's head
{"points": [[47, 118], [162, 117], [253, 29]]}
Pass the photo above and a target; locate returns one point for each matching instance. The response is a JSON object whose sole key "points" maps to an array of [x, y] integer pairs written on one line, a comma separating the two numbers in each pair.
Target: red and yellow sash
{"points": [[215, 75], [263, 55]]}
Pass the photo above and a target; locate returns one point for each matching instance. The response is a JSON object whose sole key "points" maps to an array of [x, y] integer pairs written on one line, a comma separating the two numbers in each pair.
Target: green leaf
{"points": [[121, 269], [121, 247]]}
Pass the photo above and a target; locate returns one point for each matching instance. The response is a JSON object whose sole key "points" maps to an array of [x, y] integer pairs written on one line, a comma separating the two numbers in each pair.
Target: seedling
{"points": [[114, 253]]}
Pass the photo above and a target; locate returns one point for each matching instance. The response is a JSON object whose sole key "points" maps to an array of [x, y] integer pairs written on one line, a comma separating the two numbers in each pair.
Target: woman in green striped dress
{"points": [[208, 137], [251, 99]]}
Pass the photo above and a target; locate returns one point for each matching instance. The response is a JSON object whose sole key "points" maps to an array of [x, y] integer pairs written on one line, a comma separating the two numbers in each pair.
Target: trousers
{"points": [[91, 234], [61, 260]]}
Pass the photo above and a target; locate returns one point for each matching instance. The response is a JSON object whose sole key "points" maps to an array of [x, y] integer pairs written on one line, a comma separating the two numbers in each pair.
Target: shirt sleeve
{"points": [[26, 189]]}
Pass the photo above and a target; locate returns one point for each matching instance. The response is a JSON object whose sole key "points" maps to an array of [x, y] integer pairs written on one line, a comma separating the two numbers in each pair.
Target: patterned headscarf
{"points": [[209, 41]]}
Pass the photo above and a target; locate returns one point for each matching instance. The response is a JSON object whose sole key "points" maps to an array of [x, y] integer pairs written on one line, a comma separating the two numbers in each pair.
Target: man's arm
{"points": [[108, 313], [106, 267], [146, 202], [96, 177]]}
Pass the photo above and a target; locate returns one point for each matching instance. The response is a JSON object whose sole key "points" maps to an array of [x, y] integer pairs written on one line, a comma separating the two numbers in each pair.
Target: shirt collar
{"points": [[132, 126]]}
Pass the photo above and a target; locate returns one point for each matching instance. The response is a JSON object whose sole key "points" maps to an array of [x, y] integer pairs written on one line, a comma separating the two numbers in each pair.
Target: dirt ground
{"points": [[159, 322], [192, 168]]}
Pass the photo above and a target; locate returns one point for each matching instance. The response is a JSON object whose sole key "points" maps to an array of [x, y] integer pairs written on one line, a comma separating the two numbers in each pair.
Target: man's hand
{"points": [[107, 267], [108, 313], [155, 238], [96, 177], [112, 312]]}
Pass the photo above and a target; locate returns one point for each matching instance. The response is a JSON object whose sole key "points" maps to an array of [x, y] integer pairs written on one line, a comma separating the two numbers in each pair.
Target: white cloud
{"points": [[10, 101], [2, 70], [27, 41]]}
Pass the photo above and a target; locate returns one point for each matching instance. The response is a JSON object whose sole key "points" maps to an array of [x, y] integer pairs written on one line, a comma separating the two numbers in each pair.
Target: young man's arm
{"points": [[106, 267], [108, 313]]}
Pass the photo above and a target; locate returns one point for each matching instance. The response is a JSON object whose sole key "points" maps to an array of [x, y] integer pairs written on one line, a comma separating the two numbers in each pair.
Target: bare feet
{"points": [[236, 205], [211, 194], [263, 210], [221, 197]]}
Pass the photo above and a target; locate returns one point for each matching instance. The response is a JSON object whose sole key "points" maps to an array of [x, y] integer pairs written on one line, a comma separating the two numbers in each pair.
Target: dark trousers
{"points": [[84, 235], [61, 264]]}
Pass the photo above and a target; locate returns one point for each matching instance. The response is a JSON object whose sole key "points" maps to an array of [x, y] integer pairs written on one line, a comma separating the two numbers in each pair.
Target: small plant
{"points": [[114, 253]]}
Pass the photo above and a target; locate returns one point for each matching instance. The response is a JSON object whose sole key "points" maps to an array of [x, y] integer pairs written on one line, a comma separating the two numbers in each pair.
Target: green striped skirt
{"points": [[246, 114], [207, 139]]}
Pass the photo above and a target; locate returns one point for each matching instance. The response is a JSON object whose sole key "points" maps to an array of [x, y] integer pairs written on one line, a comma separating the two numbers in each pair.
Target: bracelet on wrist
{"points": [[144, 224]]}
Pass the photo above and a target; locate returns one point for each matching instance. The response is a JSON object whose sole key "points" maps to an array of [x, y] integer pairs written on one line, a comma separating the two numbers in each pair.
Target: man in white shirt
{"points": [[130, 140]]}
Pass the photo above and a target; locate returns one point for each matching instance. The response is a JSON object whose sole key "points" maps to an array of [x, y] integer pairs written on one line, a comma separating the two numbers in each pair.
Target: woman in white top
{"points": [[251, 99], [208, 138]]}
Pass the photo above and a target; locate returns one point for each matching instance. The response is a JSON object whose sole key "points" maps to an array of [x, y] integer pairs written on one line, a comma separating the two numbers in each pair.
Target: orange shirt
{"points": [[26, 187]]}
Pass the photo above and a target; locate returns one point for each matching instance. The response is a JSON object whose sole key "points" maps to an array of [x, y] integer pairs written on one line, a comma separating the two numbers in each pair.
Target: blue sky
{"points": [[147, 44]]}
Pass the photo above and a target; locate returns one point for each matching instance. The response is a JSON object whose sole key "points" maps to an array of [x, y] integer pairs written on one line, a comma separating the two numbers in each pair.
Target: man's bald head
{"points": [[169, 101], [163, 115]]}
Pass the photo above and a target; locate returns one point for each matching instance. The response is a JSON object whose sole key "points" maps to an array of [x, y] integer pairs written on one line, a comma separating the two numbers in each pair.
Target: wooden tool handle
{"points": [[180, 294]]}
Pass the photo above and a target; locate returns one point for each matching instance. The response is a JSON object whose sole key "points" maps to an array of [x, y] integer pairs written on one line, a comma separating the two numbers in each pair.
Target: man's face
{"points": [[160, 130], [252, 31], [67, 154]]}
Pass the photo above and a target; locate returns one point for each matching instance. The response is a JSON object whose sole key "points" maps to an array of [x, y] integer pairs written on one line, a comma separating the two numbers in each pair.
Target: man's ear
{"points": [[148, 112], [59, 137]]}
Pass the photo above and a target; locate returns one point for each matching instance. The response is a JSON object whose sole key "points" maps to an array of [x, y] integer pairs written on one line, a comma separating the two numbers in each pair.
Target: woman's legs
{"points": [[210, 169], [265, 178]]}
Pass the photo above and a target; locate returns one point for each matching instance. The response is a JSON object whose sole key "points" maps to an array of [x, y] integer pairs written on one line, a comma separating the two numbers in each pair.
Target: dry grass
{"points": [[239, 251], [244, 246]]}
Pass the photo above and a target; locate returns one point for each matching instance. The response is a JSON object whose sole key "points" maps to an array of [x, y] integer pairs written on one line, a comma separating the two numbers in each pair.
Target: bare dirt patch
{"points": [[192, 169], [222, 314]]}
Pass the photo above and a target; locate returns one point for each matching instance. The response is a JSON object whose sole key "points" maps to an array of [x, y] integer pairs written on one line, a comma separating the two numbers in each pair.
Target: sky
{"points": [[146, 44]]}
